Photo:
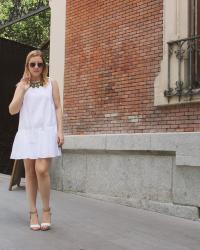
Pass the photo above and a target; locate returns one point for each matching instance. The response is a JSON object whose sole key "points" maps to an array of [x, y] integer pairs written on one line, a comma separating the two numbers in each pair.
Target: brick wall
{"points": [[113, 54]]}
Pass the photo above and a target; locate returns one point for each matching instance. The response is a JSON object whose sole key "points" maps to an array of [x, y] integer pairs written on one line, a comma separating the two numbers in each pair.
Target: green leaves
{"points": [[33, 31], [5, 7]]}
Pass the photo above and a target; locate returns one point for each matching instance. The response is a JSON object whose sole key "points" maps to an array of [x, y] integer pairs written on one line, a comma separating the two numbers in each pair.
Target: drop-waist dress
{"points": [[37, 131]]}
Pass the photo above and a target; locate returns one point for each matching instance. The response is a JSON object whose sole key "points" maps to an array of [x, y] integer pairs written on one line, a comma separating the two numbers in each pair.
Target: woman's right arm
{"points": [[18, 98]]}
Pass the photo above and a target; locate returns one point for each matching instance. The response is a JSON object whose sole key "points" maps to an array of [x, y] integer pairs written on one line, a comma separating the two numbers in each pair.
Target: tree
{"points": [[32, 31]]}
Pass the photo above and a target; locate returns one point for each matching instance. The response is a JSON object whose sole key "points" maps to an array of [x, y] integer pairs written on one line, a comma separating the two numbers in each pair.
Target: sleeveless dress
{"points": [[37, 131]]}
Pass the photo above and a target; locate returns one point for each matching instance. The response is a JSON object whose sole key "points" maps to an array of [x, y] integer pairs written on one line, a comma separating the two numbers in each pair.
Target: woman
{"points": [[40, 132]]}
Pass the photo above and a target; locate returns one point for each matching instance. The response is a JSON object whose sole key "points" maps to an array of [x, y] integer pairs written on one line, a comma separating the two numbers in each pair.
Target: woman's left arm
{"points": [[58, 109]]}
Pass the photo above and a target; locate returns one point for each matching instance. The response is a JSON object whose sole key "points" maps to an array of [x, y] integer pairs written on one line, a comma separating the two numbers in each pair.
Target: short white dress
{"points": [[37, 131]]}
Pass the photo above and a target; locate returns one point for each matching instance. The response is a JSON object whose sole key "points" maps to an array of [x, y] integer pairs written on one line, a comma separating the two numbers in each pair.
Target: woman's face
{"points": [[35, 66]]}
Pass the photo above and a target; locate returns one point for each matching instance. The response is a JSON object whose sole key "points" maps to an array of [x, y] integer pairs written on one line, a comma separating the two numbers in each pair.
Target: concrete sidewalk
{"points": [[85, 224]]}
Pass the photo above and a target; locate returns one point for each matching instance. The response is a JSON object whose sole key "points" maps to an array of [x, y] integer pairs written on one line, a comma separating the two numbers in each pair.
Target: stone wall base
{"points": [[156, 172]]}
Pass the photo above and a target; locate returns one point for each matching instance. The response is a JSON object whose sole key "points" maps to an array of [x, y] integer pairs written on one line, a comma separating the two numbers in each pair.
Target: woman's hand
{"points": [[24, 83], [20, 91], [60, 139]]}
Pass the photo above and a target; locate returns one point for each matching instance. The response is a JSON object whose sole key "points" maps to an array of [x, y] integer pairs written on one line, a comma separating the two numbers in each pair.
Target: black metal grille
{"points": [[20, 12], [184, 57]]}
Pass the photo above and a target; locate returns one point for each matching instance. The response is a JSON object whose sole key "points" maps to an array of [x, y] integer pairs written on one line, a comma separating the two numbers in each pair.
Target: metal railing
{"points": [[20, 12], [183, 68]]}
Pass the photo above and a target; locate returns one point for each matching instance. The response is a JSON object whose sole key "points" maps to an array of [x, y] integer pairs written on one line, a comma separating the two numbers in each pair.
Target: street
{"points": [[80, 223]]}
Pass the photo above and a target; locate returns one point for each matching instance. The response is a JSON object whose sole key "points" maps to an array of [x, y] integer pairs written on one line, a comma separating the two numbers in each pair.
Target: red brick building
{"points": [[113, 55], [131, 94]]}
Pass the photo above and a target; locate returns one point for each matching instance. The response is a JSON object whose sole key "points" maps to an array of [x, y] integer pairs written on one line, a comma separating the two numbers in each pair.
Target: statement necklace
{"points": [[36, 84]]}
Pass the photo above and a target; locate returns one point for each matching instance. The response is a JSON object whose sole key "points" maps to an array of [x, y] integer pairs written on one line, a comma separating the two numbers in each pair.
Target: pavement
{"points": [[80, 223]]}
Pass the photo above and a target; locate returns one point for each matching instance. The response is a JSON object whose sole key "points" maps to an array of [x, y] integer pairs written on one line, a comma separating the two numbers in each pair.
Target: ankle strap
{"points": [[47, 210], [33, 212]]}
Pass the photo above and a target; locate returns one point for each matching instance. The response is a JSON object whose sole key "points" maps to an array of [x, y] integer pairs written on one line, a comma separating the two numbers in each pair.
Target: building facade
{"points": [[129, 80]]}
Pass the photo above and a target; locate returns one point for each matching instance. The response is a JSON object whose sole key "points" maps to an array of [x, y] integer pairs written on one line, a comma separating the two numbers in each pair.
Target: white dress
{"points": [[37, 131]]}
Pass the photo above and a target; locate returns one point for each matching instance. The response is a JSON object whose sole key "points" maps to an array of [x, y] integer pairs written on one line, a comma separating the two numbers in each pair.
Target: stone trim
{"points": [[186, 146], [57, 43]]}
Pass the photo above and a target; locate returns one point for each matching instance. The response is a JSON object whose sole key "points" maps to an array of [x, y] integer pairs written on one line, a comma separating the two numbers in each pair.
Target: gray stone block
{"points": [[187, 212], [120, 175], [56, 173], [74, 175], [79, 142], [158, 172], [186, 185], [128, 142], [163, 142]]}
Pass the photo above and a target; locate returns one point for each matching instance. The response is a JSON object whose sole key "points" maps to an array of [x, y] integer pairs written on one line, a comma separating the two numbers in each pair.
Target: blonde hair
{"points": [[44, 73]]}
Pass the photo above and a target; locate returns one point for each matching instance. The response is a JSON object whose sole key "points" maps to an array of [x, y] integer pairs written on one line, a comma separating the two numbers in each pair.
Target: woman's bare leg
{"points": [[42, 172], [31, 187]]}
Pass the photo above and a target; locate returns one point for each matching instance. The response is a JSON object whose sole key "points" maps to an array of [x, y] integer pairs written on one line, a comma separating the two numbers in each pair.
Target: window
{"points": [[194, 31], [179, 79]]}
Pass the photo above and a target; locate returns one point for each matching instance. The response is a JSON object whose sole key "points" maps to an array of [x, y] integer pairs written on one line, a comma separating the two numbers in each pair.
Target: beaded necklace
{"points": [[36, 84]]}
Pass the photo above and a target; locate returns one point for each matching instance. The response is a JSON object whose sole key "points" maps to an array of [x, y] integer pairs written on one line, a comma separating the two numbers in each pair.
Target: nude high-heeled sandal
{"points": [[34, 227], [46, 225]]}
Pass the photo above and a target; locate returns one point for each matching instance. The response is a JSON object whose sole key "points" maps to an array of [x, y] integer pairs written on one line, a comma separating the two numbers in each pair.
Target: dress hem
{"points": [[34, 158]]}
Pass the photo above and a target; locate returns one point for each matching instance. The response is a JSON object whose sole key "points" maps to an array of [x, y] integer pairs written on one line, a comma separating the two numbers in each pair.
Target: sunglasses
{"points": [[33, 64]]}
